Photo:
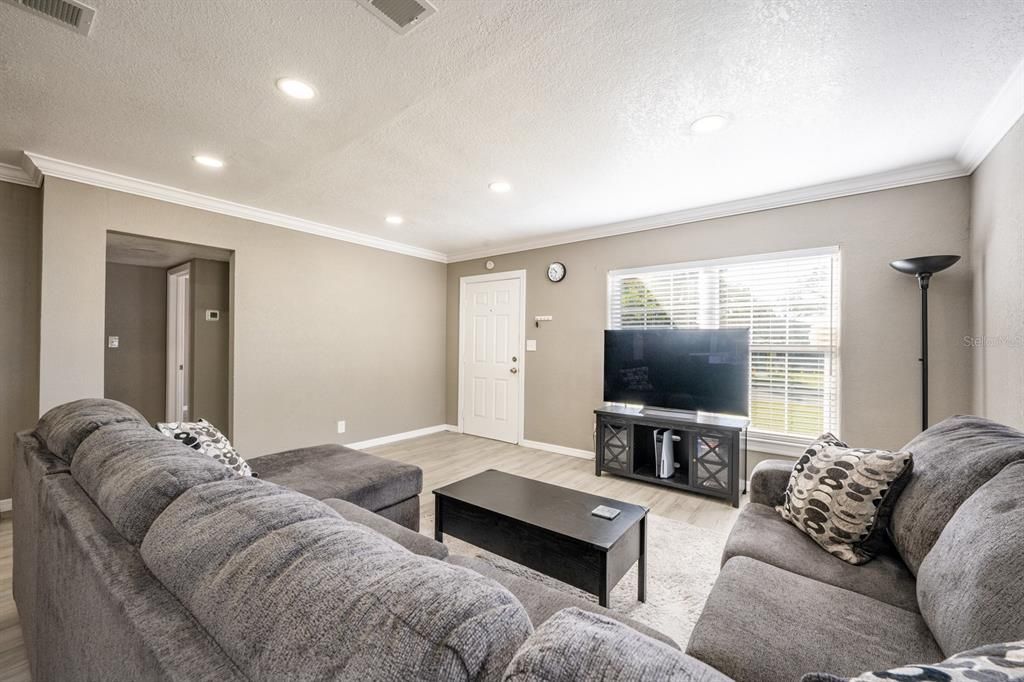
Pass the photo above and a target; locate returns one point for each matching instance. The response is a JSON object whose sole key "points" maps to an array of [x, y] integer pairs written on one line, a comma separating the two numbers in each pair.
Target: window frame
{"points": [[765, 441]]}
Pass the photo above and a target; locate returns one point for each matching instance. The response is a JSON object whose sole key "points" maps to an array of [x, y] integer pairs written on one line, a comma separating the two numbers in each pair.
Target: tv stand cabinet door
{"points": [[614, 440], [713, 455]]}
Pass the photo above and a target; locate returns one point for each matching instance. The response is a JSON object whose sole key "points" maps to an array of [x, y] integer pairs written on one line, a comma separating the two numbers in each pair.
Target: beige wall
{"points": [[997, 249], [323, 329], [136, 312], [880, 308], [20, 231], [209, 283]]}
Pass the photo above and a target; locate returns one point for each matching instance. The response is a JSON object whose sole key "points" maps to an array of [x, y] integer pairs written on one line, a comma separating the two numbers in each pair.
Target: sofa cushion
{"points": [[760, 533], [285, 584], [100, 614], [132, 473], [842, 497], [988, 663], [764, 624], [578, 645], [64, 427], [416, 543], [971, 585], [326, 471], [951, 460], [542, 602]]}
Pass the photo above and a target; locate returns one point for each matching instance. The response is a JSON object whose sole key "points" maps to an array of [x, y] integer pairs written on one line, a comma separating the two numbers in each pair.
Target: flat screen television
{"points": [[699, 370]]}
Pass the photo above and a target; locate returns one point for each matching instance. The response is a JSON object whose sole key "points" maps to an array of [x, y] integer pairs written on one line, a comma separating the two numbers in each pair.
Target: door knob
{"points": [[514, 370]]}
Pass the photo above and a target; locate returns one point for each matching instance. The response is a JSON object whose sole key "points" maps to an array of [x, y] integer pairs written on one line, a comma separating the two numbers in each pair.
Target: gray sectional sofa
{"points": [[952, 580], [137, 558]]}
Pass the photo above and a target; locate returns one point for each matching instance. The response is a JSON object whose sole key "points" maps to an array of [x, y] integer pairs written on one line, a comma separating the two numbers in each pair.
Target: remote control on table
{"points": [[605, 512]]}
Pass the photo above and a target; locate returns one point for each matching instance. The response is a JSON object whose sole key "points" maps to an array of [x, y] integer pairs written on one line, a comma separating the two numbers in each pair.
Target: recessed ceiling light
{"points": [[295, 88], [709, 124], [395, 219], [500, 186], [208, 161]]}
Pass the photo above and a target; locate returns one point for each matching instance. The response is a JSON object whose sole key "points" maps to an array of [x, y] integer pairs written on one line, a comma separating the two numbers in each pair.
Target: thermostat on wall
{"points": [[212, 315]]}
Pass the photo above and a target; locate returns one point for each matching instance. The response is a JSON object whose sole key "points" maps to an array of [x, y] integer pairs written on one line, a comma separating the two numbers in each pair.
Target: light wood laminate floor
{"points": [[444, 458], [449, 457]]}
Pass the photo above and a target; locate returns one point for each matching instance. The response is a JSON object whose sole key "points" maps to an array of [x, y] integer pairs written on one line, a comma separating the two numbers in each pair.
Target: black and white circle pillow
{"points": [[842, 497], [206, 438], [988, 663]]}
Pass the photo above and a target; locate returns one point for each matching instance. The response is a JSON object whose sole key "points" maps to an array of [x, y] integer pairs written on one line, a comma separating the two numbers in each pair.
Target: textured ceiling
{"points": [[132, 249], [582, 105]]}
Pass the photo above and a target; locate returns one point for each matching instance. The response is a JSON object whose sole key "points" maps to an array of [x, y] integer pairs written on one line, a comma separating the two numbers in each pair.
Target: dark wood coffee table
{"points": [[547, 528]]}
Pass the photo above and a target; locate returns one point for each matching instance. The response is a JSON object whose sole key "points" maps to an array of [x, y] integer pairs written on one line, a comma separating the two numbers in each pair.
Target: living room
{"points": [[565, 340]]}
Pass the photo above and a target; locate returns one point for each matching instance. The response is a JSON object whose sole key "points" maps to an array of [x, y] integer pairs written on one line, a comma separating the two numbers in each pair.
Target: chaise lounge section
{"points": [[383, 486]]}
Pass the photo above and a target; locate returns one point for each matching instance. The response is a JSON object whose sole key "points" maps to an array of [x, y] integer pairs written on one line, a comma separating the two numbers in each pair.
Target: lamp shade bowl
{"points": [[924, 265]]}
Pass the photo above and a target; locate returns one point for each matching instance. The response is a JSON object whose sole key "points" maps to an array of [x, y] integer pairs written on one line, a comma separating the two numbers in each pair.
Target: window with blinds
{"points": [[790, 302]]}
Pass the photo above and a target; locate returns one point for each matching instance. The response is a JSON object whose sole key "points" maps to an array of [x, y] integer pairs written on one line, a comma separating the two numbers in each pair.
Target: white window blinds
{"points": [[790, 302]]}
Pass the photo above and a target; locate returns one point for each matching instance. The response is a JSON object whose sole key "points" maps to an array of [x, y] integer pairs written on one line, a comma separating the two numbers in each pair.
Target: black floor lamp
{"points": [[923, 267]]}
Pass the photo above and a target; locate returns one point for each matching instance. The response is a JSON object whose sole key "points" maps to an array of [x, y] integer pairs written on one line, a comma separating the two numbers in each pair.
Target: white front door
{"points": [[491, 363]]}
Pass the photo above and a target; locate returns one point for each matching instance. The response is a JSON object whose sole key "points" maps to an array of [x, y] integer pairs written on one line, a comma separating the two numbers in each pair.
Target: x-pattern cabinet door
{"points": [[712, 455], [615, 445]]}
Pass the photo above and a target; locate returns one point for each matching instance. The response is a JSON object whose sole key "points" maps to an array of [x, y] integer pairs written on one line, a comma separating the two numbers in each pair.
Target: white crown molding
{"points": [[900, 177], [41, 165], [999, 116], [67, 170], [27, 175]]}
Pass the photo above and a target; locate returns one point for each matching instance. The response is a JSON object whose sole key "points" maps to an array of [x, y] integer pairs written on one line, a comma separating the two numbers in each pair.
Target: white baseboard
{"points": [[395, 437], [6, 505], [451, 427], [558, 449]]}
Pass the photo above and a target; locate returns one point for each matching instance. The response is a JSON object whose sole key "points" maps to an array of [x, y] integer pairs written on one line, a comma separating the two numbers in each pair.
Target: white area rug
{"points": [[682, 564]]}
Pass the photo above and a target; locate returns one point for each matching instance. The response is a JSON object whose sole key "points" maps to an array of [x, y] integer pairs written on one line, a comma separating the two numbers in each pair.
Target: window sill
{"points": [[773, 444]]}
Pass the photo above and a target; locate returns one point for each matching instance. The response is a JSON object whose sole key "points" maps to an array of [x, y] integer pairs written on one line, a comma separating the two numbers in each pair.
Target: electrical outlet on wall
{"points": [[341, 426], [113, 342]]}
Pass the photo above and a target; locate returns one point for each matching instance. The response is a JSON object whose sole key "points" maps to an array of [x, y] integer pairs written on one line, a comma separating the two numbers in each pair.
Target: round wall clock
{"points": [[556, 271]]}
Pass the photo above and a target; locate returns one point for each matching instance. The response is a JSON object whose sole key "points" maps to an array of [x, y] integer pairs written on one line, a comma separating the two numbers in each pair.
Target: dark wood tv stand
{"points": [[712, 453]]}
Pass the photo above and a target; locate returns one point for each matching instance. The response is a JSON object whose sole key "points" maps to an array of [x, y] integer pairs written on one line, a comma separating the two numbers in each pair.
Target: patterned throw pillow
{"points": [[204, 437], [989, 663], [842, 497]]}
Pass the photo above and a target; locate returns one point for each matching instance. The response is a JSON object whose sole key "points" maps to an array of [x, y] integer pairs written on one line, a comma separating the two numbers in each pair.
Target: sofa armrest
{"points": [[768, 481], [579, 645]]}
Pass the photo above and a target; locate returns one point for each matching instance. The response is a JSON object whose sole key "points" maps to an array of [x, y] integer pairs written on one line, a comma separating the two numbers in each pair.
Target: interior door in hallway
{"points": [[178, 342], [492, 320]]}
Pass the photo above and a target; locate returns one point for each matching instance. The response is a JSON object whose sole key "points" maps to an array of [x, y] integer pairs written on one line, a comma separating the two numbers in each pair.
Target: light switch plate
{"points": [[113, 341], [341, 427], [531, 344]]}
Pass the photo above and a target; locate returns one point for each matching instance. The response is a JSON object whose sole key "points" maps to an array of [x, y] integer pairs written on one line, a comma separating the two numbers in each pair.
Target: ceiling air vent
{"points": [[401, 16], [68, 13]]}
